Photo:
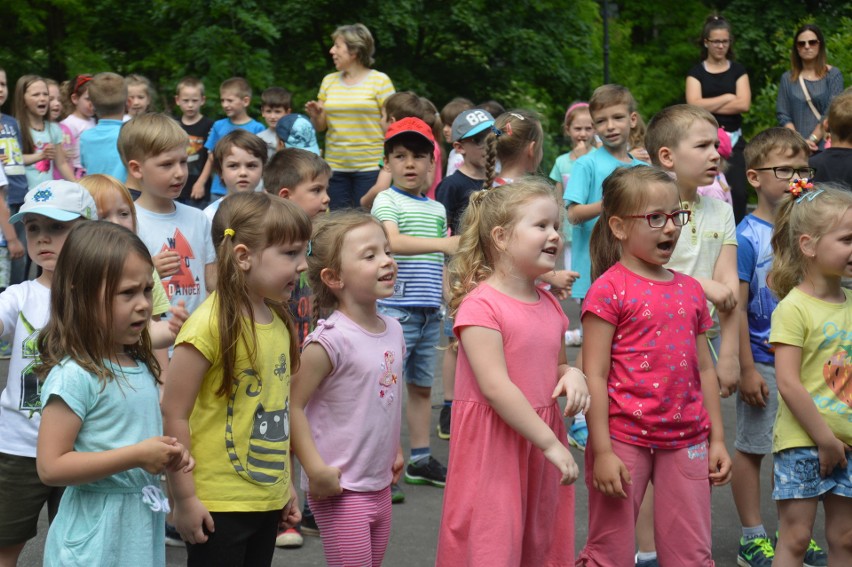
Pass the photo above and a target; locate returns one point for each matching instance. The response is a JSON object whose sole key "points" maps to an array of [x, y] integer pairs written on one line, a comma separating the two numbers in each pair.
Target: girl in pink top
{"points": [[507, 500], [347, 401], [655, 413]]}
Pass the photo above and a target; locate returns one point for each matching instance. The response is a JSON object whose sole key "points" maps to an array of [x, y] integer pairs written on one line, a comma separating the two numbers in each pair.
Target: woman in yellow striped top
{"points": [[349, 108]]}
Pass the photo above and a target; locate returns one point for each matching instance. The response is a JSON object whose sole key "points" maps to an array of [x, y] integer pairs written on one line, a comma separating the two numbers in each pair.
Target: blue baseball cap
{"points": [[470, 123]]}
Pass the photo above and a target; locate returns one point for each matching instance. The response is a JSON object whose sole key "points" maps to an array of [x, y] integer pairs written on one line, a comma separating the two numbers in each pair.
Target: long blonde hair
{"points": [[813, 213], [256, 220], [489, 208]]}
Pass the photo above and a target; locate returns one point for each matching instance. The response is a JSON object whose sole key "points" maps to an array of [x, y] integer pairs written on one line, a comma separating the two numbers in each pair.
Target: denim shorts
{"points": [[421, 327], [797, 475]]}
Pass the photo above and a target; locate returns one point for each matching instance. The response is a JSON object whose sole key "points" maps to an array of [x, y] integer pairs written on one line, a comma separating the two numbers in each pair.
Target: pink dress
{"points": [[503, 504]]}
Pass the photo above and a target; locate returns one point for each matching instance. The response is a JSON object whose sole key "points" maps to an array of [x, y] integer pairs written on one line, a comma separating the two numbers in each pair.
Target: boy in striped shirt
{"points": [[417, 231]]}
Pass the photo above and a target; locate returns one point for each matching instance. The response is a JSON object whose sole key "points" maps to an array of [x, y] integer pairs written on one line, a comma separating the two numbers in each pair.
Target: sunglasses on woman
{"points": [[808, 43]]}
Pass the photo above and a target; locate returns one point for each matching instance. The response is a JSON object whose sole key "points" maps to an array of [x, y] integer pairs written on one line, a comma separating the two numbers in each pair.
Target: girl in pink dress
{"points": [[508, 499]]}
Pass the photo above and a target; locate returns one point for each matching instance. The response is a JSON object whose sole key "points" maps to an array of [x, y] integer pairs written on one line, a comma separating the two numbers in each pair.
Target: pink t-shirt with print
{"points": [[654, 386]]}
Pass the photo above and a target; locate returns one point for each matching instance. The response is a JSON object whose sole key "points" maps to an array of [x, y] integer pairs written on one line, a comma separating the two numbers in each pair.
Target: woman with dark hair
{"points": [[720, 85], [807, 88], [349, 107]]}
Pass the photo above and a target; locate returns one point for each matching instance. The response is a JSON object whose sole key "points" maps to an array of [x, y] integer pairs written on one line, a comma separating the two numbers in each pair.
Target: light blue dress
{"points": [[118, 520]]}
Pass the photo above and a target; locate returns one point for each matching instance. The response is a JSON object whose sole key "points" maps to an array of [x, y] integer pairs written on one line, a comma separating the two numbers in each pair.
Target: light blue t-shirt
{"points": [[99, 149], [111, 521], [754, 259], [217, 132], [585, 186]]}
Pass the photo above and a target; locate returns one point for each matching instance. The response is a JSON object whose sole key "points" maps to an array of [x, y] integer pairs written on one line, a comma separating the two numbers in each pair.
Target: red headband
{"points": [[79, 82]]}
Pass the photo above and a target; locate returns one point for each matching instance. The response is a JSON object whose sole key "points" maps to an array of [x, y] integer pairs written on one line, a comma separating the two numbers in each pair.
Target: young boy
{"points": [[238, 160], [835, 163], [274, 105], [49, 212], [235, 95], [98, 150], [301, 176], [417, 230], [12, 162], [772, 158], [153, 148], [449, 114], [190, 99]]}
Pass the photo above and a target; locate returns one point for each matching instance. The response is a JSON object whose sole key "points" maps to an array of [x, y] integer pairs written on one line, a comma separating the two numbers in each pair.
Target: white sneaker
{"points": [[574, 337]]}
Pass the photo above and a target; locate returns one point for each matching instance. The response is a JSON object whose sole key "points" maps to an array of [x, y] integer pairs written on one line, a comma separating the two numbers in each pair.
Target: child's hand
{"points": [[291, 514], [753, 388], [197, 191], [181, 461], [48, 152], [573, 386], [178, 318], [728, 373], [720, 464], [831, 455], [610, 475], [16, 249], [720, 295], [325, 483], [581, 148], [641, 154], [398, 465], [451, 244], [314, 108], [560, 456], [191, 518], [167, 263], [156, 453]]}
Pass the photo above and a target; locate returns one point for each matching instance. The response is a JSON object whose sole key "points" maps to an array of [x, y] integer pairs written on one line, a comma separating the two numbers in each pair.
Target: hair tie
{"points": [[508, 128], [497, 132], [574, 107], [801, 188], [230, 232], [310, 249]]}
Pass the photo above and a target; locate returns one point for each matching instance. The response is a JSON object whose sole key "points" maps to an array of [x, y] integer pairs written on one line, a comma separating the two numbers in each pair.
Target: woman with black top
{"points": [[720, 85]]}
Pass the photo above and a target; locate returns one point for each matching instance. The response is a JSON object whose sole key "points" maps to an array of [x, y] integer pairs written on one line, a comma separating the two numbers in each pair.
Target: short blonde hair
{"points": [[237, 85], [671, 125], [359, 41], [778, 138], [150, 135], [108, 92], [611, 95]]}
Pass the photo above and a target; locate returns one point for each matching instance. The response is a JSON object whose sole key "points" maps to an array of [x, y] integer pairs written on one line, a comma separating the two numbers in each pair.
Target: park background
{"points": [[539, 55]]}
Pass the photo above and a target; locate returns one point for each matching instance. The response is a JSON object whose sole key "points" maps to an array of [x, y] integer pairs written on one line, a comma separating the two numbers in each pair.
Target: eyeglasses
{"points": [[784, 172], [719, 42], [659, 220], [808, 42]]}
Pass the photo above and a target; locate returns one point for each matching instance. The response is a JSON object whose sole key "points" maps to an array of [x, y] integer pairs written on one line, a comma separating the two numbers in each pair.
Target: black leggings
{"points": [[241, 539], [736, 176]]}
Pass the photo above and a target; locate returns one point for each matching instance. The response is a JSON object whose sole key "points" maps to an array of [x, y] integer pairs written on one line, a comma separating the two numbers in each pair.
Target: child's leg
{"points": [[795, 525], [682, 506], [241, 538], [612, 520], [419, 371], [345, 527], [645, 543], [838, 529], [745, 485], [380, 524]]}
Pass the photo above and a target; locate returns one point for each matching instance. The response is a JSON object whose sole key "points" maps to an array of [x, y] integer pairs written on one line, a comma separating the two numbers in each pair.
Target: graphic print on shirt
{"points": [[838, 374], [262, 459], [183, 282], [388, 379], [30, 384]]}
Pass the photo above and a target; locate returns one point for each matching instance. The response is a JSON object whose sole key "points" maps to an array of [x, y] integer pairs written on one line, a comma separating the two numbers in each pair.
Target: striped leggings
{"points": [[354, 527]]}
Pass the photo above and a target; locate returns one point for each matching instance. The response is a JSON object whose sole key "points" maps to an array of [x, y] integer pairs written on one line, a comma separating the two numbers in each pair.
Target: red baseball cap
{"points": [[409, 125]]}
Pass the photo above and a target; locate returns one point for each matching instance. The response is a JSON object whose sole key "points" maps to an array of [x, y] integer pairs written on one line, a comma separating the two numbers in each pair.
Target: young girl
{"points": [[101, 432], [812, 244], [80, 119], [352, 360], [507, 431], [516, 141], [140, 94], [578, 128], [42, 138], [655, 396], [54, 105], [228, 396]]}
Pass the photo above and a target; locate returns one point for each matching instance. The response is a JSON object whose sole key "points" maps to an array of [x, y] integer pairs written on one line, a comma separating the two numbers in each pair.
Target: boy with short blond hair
{"points": [[274, 105], [835, 163], [190, 99], [235, 96], [98, 151]]}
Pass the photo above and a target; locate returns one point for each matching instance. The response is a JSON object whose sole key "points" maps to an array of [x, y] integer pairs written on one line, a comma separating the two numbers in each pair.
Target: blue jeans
{"points": [[421, 327], [345, 188]]}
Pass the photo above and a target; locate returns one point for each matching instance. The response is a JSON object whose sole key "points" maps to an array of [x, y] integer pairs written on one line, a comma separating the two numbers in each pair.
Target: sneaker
{"points": [[309, 525], [444, 423], [397, 495], [578, 435], [647, 562], [290, 538], [574, 337], [173, 538], [815, 556], [756, 552], [6, 354], [426, 471]]}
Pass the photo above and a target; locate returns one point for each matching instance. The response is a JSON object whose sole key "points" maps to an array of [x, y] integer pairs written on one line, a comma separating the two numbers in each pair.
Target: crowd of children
{"points": [[219, 322]]}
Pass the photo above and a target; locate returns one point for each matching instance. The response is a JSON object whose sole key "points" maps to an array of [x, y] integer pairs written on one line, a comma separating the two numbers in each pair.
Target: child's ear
{"points": [[246, 100], [634, 118], [807, 244], [284, 193], [134, 169], [753, 179], [177, 98], [618, 226], [243, 257], [500, 237], [330, 279], [665, 156], [458, 147]]}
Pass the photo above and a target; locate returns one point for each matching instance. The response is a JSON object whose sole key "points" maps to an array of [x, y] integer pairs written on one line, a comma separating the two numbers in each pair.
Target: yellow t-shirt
{"points": [[241, 442], [159, 297], [824, 332]]}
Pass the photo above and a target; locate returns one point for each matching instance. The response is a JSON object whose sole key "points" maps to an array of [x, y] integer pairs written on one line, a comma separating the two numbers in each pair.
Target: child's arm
{"points": [[15, 247], [407, 245], [484, 348], [164, 332], [788, 364], [60, 162], [572, 384], [610, 473], [59, 464], [210, 277], [753, 388], [728, 365], [383, 181], [324, 481], [580, 213], [578, 192], [198, 188], [178, 400], [717, 457]]}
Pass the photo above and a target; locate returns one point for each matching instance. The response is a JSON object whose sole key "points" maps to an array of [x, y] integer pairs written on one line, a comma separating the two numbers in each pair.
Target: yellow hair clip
{"points": [[230, 232]]}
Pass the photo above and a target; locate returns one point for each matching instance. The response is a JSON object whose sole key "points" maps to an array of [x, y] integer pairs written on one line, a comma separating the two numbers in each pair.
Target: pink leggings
{"points": [[354, 527], [681, 508]]}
